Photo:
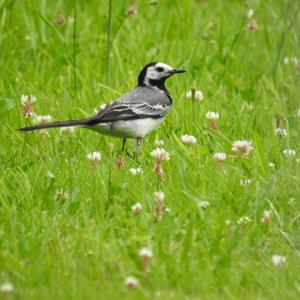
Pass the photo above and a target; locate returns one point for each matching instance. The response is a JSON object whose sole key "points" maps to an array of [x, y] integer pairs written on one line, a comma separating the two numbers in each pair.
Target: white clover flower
{"points": [[286, 60], [203, 204], [188, 139], [136, 208], [266, 217], [60, 194], [211, 115], [50, 175], [245, 182], [252, 26], [244, 220], [167, 209], [43, 119], [250, 13], [160, 154], [294, 60], [94, 157], [146, 253], [24, 99], [135, 171], [7, 288], [271, 165], [228, 222], [198, 95], [159, 196], [278, 260], [159, 143], [69, 129], [281, 132], [32, 98], [220, 156], [241, 147], [101, 107], [132, 10], [289, 152], [27, 106], [131, 282], [298, 113]]}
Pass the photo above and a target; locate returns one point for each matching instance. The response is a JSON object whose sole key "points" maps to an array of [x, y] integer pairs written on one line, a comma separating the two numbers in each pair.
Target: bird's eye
{"points": [[159, 69]]}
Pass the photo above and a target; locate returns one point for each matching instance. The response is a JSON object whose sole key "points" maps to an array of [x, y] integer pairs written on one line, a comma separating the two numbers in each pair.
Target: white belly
{"points": [[128, 129]]}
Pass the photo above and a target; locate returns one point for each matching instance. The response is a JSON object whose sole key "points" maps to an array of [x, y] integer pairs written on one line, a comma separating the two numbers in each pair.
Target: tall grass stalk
{"points": [[108, 38], [74, 48]]}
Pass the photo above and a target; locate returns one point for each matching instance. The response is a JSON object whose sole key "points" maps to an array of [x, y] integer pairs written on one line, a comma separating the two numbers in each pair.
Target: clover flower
{"points": [[60, 194], [131, 282], [228, 222], [136, 208], [120, 164], [195, 95], [6, 288], [188, 139], [289, 152], [241, 148], [271, 165], [203, 204], [286, 60], [245, 182], [68, 130], [278, 260], [266, 217], [212, 117], [250, 13], [294, 60], [135, 171], [252, 26], [281, 132], [160, 155], [159, 196], [145, 254], [159, 143], [220, 157], [94, 158], [298, 113], [244, 220], [43, 119], [101, 107], [160, 207], [27, 102], [132, 10]]}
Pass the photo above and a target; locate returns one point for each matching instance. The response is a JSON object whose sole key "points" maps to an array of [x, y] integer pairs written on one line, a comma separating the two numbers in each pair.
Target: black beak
{"points": [[174, 71]]}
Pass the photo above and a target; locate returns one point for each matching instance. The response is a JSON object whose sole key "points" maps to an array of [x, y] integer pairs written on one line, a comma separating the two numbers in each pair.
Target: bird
{"points": [[132, 115]]}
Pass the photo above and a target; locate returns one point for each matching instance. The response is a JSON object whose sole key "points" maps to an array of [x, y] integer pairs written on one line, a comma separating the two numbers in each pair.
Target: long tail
{"points": [[55, 124]]}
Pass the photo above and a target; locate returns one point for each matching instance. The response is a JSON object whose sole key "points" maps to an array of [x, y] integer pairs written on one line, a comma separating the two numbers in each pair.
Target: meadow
{"points": [[209, 227]]}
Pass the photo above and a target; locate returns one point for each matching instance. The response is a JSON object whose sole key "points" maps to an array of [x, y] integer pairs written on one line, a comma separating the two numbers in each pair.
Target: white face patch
{"points": [[157, 72]]}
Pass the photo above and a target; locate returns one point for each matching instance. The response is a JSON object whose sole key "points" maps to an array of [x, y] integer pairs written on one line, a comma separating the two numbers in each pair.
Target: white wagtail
{"points": [[134, 114]]}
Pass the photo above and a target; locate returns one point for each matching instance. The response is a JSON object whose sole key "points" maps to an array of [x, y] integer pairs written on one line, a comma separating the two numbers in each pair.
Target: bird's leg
{"points": [[138, 145], [123, 144]]}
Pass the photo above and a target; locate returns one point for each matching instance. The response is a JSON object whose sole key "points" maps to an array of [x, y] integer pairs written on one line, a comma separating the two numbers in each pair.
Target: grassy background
{"points": [[84, 246]]}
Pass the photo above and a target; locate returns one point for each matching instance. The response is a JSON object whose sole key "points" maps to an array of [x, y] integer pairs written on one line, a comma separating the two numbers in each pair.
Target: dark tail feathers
{"points": [[55, 124]]}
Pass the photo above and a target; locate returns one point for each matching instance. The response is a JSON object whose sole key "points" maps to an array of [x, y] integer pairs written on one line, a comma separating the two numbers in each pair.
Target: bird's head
{"points": [[155, 74]]}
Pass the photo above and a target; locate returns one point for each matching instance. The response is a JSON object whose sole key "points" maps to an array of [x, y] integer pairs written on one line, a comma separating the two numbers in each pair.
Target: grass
{"points": [[85, 245]]}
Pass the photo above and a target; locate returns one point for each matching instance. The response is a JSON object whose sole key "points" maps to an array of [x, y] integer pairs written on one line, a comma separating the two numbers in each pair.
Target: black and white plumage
{"points": [[134, 114]]}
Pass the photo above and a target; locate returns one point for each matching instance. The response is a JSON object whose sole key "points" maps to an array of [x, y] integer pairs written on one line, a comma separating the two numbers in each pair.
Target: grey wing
{"points": [[135, 105]]}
